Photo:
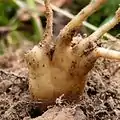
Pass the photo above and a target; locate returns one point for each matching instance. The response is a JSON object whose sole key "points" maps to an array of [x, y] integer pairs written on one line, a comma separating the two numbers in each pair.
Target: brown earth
{"points": [[100, 101]]}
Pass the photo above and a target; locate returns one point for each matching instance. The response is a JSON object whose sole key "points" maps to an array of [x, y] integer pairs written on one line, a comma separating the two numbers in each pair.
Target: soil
{"points": [[100, 100]]}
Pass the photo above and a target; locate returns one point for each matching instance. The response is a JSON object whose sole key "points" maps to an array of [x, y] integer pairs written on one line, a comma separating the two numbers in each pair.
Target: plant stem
{"points": [[71, 16], [103, 29], [106, 53], [68, 31], [49, 24]]}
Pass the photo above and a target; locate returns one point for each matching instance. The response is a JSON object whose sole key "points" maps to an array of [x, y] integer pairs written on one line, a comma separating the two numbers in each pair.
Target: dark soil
{"points": [[100, 101]]}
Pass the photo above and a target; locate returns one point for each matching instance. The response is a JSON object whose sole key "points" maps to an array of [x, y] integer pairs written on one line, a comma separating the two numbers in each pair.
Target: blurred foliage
{"points": [[18, 21], [13, 13], [7, 11]]}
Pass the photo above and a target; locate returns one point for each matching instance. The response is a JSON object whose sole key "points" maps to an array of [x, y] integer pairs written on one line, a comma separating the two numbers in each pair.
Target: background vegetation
{"points": [[19, 19]]}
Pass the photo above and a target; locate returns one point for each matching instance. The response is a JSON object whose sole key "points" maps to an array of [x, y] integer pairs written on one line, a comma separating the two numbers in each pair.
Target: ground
{"points": [[100, 100]]}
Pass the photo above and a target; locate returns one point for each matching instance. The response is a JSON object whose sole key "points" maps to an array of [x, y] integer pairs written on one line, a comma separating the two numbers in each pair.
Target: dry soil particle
{"points": [[100, 101]]}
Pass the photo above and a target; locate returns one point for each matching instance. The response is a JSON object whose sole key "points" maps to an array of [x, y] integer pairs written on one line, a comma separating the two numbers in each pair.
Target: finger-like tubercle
{"points": [[106, 53]]}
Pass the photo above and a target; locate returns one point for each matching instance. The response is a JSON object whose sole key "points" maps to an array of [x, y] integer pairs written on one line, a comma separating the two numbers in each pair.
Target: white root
{"points": [[49, 25], [65, 36], [106, 27], [94, 37], [64, 70], [106, 53]]}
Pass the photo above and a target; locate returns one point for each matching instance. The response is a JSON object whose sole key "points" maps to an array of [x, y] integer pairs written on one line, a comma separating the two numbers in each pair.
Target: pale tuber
{"points": [[60, 66]]}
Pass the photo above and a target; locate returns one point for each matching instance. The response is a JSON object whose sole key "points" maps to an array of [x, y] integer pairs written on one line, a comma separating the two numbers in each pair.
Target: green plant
{"points": [[12, 29]]}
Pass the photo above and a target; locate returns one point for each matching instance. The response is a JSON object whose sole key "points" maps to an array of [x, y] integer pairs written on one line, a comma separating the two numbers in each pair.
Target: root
{"points": [[49, 25], [106, 27], [64, 70], [106, 53], [65, 36], [94, 37], [71, 16]]}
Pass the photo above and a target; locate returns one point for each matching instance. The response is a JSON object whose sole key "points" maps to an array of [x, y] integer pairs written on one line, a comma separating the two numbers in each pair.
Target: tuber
{"points": [[60, 66]]}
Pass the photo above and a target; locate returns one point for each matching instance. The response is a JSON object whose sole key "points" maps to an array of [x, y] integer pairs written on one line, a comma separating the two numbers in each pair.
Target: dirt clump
{"points": [[100, 101]]}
